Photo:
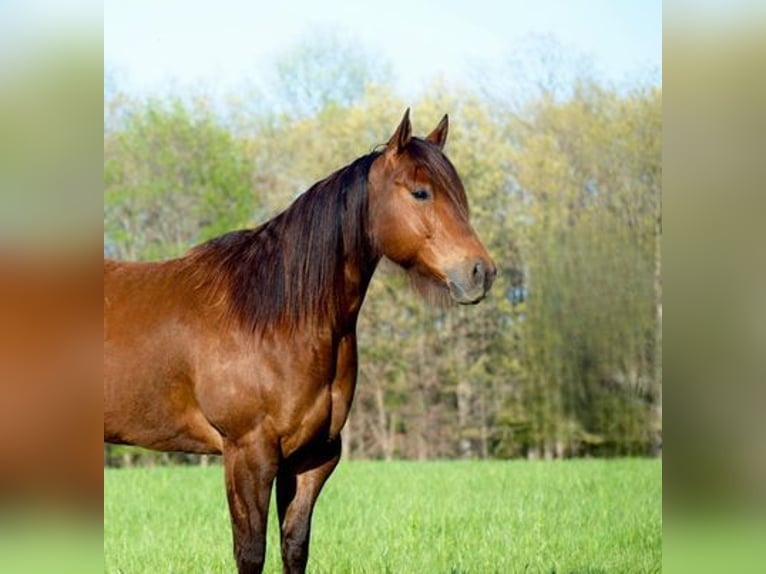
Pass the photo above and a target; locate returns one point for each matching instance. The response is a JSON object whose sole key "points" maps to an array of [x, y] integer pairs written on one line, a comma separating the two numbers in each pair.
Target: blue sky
{"points": [[153, 45]]}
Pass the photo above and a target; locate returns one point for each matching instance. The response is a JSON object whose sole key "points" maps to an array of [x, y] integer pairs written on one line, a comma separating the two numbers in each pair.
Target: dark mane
{"points": [[289, 271], [429, 157]]}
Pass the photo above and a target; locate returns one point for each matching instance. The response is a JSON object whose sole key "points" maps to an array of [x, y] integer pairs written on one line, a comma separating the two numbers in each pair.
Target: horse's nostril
{"points": [[488, 277], [478, 271]]}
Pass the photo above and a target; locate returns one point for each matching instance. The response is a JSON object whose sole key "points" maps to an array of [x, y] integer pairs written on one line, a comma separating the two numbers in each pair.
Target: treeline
{"points": [[562, 360]]}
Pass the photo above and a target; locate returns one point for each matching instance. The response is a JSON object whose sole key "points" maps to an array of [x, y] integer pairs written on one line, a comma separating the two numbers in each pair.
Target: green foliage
{"points": [[173, 177], [574, 516], [591, 253]]}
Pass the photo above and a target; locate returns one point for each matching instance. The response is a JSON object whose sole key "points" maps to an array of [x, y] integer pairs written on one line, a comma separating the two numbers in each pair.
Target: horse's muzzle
{"points": [[469, 283]]}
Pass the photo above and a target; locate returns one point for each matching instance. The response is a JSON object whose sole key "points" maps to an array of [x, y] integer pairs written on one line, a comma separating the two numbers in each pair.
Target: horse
{"points": [[246, 345]]}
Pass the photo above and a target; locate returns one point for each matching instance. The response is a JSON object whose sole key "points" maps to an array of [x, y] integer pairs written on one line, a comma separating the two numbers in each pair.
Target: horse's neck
{"points": [[355, 284]]}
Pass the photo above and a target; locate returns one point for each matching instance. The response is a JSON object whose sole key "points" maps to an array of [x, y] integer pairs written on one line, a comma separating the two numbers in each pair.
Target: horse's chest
{"points": [[321, 402], [300, 392]]}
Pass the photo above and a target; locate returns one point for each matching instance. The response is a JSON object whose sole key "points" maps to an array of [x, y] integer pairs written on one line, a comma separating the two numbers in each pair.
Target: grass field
{"points": [[583, 516]]}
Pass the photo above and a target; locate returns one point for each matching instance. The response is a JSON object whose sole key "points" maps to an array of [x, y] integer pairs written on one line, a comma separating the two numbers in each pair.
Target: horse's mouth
{"points": [[473, 302], [470, 281], [462, 297]]}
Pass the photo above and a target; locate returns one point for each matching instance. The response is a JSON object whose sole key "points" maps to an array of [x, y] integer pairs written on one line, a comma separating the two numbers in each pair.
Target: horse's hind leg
{"points": [[250, 465], [298, 485]]}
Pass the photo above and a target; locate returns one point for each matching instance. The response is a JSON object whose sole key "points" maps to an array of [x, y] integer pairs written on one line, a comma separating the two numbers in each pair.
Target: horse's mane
{"points": [[288, 272], [440, 169]]}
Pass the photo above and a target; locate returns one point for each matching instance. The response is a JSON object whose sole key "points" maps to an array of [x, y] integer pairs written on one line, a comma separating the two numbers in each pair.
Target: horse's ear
{"points": [[439, 135], [402, 135]]}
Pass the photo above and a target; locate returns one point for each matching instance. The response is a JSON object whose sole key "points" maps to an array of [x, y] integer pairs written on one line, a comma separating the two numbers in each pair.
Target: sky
{"points": [[151, 46]]}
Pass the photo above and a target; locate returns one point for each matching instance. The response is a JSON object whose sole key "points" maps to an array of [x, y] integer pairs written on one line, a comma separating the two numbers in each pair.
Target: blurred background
{"points": [[218, 119]]}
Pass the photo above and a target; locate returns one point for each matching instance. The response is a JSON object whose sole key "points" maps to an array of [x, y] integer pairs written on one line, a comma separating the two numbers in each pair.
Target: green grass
{"points": [[584, 516]]}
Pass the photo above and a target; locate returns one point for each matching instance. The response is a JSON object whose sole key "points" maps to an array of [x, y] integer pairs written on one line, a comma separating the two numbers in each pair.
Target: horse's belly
{"points": [[153, 407]]}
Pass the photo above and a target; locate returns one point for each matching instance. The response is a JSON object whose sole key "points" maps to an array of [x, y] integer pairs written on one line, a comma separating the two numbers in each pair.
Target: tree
{"points": [[591, 168], [564, 356], [172, 177], [323, 72]]}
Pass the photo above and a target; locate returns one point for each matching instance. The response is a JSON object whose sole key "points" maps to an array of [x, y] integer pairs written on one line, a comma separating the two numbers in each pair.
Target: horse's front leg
{"points": [[299, 482], [250, 465]]}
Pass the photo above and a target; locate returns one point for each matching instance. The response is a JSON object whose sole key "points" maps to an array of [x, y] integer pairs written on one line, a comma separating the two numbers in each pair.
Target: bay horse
{"points": [[246, 345]]}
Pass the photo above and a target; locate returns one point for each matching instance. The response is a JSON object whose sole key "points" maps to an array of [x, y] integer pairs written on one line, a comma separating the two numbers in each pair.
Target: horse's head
{"points": [[419, 218]]}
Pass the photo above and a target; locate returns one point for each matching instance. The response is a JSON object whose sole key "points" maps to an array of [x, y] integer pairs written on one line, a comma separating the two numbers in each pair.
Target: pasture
{"points": [[582, 516]]}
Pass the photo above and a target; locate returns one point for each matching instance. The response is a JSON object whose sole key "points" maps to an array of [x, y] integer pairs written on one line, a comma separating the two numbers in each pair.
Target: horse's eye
{"points": [[420, 194]]}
